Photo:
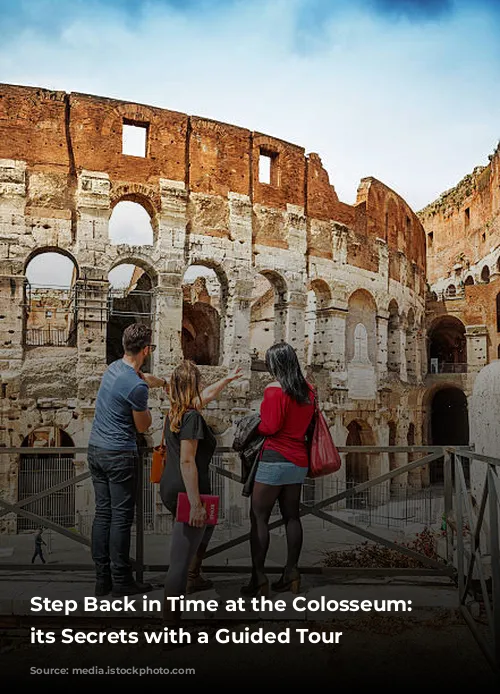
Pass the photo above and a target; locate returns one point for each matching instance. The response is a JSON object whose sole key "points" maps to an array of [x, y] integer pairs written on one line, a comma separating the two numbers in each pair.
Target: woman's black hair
{"points": [[283, 364]]}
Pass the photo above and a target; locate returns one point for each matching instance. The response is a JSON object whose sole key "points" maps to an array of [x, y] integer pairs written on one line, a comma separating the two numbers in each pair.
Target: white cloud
{"points": [[415, 105]]}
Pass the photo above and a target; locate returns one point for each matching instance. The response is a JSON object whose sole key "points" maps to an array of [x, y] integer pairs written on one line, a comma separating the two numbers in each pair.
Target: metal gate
{"points": [[38, 472]]}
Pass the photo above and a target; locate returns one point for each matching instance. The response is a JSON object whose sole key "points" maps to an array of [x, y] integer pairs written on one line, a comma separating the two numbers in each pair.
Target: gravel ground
{"points": [[390, 650]]}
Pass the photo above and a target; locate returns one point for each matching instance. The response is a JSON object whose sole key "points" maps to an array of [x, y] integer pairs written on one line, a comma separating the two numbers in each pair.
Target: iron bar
{"points": [[495, 563]]}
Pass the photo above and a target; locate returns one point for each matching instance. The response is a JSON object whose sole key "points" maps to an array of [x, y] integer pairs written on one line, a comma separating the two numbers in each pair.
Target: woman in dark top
{"points": [[286, 413], [190, 446]]}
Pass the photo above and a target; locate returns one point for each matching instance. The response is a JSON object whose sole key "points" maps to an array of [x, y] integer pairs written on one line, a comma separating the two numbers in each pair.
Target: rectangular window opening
{"points": [[134, 138], [430, 238], [268, 168], [467, 216]]}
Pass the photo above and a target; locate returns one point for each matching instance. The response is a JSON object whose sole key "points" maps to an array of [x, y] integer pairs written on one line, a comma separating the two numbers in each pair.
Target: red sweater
{"points": [[284, 422]]}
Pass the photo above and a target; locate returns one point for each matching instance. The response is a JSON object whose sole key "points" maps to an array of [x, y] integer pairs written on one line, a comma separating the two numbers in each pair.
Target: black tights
{"points": [[264, 497]]}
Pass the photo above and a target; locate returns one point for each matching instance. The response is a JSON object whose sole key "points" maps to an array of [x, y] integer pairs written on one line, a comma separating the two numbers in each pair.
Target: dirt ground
{"points": [[392, 651]]}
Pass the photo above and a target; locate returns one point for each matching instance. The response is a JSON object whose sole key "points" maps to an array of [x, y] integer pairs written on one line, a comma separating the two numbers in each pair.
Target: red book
{"points": [[211, 504]]}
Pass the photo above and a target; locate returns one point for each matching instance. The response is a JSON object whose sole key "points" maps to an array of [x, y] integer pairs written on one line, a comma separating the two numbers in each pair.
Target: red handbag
{"points": [[324, 457]]}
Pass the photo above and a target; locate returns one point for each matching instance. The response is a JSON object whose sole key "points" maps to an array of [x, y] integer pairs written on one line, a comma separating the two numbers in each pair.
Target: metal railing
{"points": [[449, 368], [472, 543], [49, 337]]}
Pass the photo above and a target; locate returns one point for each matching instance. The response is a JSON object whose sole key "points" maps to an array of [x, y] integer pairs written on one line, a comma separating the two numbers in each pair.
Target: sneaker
{"points": [[102, 588], [133, 588]]}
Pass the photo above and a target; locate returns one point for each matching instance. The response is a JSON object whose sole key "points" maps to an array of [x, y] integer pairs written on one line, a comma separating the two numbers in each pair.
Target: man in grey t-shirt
{"points": [[121, 411]]}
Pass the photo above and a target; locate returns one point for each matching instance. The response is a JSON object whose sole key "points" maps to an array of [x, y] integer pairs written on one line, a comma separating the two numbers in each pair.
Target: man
{"points": [[38, 546], [121, 412]]}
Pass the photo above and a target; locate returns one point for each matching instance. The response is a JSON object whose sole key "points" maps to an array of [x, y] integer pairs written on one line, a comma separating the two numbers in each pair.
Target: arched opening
{"points": [[485, 274], [449, 426], [318, 342], [469, 281], [498, 312], [361, 309], [358, 464], [393, 339], [203, 310], [267, 316], [447, 346], [451, 291], [49, 300], [39, 471], [130, 301], [130, 223]]}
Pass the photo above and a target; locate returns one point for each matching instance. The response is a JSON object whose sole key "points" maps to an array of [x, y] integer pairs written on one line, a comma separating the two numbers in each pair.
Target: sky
{"points": [[403, 90]]}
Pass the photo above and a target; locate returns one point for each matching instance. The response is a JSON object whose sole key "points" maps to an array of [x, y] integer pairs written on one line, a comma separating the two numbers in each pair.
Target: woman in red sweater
{"points": [[286, 413]]}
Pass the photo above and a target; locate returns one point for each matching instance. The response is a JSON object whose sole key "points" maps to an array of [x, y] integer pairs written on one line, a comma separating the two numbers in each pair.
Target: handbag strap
{"points": [[163, 431]]}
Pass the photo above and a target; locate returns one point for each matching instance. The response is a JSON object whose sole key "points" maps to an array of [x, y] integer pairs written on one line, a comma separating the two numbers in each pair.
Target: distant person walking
{"points": [[121, 412], [39, 541]]}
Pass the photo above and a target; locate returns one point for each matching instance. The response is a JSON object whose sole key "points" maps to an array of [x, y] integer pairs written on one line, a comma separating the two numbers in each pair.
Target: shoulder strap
{"points": [[163, 430]]}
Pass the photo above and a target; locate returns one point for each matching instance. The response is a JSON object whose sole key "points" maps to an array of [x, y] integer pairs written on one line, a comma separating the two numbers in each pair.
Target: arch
{"points": [[485, 274], [451, 291], [130, 300], [393, 338], [268, 314], [143, 195], [131, 223], [322, 291], [361, 308], [52, 249], [41, 470], [469, 281], [359, 433], [447, 345], [449, 425], [49, 307], [205, 291]]}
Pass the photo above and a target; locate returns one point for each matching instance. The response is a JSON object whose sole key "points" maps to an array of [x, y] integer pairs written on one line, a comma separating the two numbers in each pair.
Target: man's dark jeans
{"points": [[114, 475]]}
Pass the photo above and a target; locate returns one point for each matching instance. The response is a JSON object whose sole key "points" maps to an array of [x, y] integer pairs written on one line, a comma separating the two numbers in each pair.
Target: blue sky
{"points": [[407, 91]]}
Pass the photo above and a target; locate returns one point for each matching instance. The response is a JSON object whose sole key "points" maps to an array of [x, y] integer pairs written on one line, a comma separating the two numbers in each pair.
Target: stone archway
{"points": [[449, 425]]}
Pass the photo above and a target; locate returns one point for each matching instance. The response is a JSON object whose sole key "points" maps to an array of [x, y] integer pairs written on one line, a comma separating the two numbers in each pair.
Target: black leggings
{"points": [[264, 497]]}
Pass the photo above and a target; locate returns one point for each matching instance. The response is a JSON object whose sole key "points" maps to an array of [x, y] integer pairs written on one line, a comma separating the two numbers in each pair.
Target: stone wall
{"points": [[62, 171]]}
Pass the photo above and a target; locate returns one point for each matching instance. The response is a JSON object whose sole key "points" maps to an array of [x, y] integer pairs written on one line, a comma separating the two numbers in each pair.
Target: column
{"points": [[382, 336], [477, 347]]}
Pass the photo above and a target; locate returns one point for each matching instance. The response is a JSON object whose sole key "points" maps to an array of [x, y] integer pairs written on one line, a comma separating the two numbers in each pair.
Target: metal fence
{"points": [[49, 337], [472, 543]]}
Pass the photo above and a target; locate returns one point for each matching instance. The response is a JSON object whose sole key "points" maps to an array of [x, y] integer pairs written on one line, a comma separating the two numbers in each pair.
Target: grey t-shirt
{"points": [[121, 392]]}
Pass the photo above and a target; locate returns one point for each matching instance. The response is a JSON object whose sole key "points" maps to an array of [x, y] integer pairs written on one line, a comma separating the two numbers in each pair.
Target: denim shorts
{"points": [[277, 474]]}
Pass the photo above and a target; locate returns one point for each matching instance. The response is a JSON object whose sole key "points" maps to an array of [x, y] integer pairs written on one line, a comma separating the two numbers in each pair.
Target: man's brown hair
{"points": [[136, 337]]}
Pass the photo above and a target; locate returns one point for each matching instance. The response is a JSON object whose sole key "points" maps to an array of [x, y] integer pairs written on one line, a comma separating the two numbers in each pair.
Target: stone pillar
{"points": [[93, 210], [12, 231], [295, 329], [237, 329], [477, 347], [167, 324], [403, 369], [484, 415], [336, 334], [382, 336]]}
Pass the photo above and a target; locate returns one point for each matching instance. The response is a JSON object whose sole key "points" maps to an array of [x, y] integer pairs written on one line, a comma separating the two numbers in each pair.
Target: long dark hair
{"points": [[283, 364]]}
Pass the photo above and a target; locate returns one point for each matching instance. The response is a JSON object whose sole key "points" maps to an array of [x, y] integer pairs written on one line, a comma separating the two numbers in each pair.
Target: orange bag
{"points": [[159, 458]]}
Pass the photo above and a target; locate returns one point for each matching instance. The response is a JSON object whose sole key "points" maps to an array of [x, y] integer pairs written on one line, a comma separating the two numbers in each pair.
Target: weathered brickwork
{"points": [[62, 173], [463, 262]]}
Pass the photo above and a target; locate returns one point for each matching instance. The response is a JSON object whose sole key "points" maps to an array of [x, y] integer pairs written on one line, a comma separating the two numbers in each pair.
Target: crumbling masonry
{"points": [[63, 171]]}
